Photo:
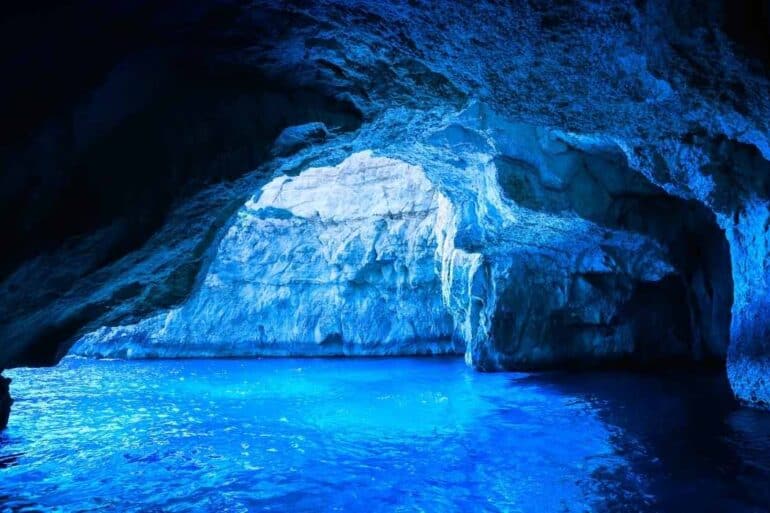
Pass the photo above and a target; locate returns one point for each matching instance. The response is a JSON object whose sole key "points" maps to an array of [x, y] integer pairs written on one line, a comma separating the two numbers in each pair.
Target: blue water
{"points": [[375, 435]]}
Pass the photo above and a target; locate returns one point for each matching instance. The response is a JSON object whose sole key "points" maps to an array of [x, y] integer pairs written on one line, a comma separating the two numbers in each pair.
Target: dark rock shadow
{"points": [[689, 445]]}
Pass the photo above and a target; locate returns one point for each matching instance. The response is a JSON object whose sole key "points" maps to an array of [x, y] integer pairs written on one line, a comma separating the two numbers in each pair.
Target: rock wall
{"points": [[337, 260], [534, 254], [601, 171], [748, 364], [731, 178], [566, 256]]}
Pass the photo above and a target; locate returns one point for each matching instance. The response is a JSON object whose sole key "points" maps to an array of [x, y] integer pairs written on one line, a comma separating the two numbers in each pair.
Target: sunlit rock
{"points": [[338, 260]]}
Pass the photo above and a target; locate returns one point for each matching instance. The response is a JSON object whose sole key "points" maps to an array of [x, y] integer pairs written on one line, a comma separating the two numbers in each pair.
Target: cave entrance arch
{"points": [[546, 315]]}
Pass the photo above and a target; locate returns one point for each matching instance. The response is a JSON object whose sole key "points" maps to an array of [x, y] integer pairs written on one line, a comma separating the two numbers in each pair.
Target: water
{"points": [[376, 435]]}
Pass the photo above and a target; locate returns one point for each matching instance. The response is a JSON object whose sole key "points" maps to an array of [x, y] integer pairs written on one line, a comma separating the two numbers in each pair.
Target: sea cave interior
{"points": [[385, 256]]}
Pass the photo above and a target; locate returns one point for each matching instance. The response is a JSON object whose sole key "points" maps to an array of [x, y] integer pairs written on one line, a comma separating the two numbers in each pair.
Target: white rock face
{"points": [[515, 281], [337, 260]]}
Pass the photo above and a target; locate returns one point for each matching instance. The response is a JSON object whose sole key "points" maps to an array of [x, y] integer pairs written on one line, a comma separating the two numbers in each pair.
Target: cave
{"points": [[575, 317], [385, 256]]}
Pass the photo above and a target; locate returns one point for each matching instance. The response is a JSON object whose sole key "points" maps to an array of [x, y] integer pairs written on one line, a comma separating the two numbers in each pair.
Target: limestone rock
{"points": [[337, 260], [369, 257], [600, 173]]}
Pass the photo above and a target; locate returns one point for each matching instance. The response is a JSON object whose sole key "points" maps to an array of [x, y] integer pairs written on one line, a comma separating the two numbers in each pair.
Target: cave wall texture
{"points": [[595, 177]]}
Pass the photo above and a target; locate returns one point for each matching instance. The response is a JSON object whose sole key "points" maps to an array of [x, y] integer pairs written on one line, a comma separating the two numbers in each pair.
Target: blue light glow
{"points": [[298, 435]]}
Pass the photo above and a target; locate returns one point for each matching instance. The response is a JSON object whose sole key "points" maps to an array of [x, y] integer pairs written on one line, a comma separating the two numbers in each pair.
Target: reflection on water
{"points": [[376, 435], [697, 450]]}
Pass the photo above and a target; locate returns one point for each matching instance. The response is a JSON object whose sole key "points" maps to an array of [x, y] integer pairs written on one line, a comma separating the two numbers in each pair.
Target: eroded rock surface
{"points": [[337, 260], [600, 172], [376, 256]]}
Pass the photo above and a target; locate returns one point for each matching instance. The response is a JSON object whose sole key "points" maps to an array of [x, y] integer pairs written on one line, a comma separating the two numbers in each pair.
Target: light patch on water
{"points": [[298, 435]]}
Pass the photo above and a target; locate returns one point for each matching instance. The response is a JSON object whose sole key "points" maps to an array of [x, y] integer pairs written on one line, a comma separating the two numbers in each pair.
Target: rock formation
{"points": [[5, 401], [548, 255], [598, 177], [337, 260]]}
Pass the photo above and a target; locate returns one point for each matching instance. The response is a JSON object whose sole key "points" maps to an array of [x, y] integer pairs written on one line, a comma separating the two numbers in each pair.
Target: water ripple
{"points": [[325, 435]]}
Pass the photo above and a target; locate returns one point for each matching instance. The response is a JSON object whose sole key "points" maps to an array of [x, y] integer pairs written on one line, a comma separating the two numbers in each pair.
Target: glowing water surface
{"points": [[374, 435]]}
